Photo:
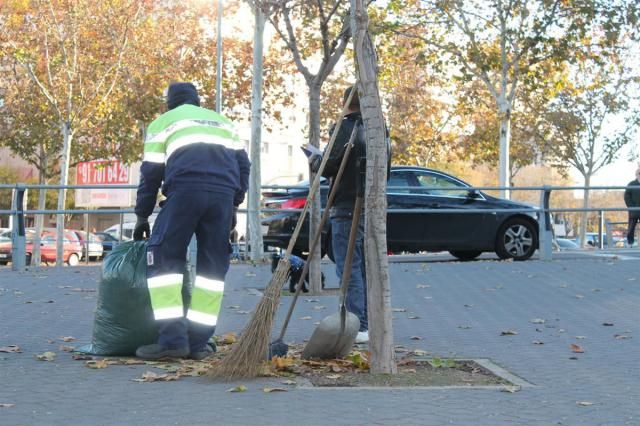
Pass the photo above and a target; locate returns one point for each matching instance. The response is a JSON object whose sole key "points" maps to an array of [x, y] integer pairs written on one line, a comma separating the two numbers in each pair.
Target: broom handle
{"points": [[316, 180], [318, 233]]}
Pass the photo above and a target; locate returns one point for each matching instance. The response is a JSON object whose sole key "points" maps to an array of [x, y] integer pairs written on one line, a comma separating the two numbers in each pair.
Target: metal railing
{"points": [[543, 211]]}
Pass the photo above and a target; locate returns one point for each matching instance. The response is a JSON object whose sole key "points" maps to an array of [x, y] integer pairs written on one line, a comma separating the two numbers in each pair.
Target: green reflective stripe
{"points": [[206, 301], [154, 147], [168, 296], [201, 130]]}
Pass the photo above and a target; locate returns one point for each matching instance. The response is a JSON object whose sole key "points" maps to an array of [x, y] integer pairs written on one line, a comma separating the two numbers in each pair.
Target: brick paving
{"points": [[462, 308]]}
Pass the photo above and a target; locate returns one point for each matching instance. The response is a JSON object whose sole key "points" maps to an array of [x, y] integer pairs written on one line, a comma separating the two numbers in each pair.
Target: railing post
{"points": [[545, 235], [18, 236], [600, 228]]}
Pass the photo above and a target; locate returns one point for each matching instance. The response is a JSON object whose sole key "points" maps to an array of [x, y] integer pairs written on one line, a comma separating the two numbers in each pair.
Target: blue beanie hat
{"points": [[182, 93]]}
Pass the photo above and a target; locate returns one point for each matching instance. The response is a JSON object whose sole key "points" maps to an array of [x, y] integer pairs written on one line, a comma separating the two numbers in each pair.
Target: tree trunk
{"points": [[253, 215], [504, 110], [314, 216], [62, 193], [584, 215], [378, 288], [36, 256]]}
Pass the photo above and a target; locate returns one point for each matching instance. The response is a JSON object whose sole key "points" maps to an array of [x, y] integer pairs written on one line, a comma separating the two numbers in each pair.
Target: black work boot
{"points": [[157, 351], [201, 354]]}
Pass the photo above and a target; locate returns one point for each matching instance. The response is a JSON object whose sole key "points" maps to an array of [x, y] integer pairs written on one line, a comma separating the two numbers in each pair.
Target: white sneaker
{"points": [[362, 337]]}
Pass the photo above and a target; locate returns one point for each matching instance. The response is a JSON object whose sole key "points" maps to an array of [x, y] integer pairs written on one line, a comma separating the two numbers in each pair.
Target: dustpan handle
{"points": [[316, 181]]}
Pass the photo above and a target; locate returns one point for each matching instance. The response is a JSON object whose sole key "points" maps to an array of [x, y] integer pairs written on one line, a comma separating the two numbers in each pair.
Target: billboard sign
{"points": [[103, 172]]}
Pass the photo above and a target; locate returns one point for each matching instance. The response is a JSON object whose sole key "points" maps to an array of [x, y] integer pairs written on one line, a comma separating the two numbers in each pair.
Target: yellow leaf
{"points": [[269, 390], [47, 356], [239, 388], [102, 363]]}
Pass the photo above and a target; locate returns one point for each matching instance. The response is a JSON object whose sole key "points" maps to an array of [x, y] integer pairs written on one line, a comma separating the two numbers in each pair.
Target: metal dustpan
{"points": [[335, 335]]}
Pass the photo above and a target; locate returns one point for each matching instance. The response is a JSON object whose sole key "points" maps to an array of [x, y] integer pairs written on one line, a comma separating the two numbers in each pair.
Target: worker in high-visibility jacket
{"points": [[196, 156]]}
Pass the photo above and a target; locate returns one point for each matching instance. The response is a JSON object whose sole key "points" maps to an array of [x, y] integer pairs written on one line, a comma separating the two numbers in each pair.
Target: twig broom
{"points": [[252, 348]]}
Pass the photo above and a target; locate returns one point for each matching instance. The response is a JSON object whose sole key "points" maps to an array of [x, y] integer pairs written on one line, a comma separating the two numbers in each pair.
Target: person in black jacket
{"points": [[197, 158], [632, 199], [341, 213]]}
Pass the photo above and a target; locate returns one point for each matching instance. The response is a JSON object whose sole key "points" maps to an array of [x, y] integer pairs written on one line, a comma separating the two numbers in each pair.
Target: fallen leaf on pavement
{"points": [[333, 376], [621, 336], [468, 306], [464, 327], [399, 310], [227, 339], [305, 318], [537, 342], [242, 312], [584, 403], [47, 356], [233, 307], [11, 348], [423, 286], [250, 274], [150, 376], [579, 296], [64, 348], [289, 382], [581, 337], [311, 300], [4, 405], [577, 349], [67, 338], [537, 321], [413, 317], [81, 357], [269, 390], [510, 389], [101, 363], [420, 352], [416, 338], [607, 324], [319, 308], [508, 333], [239, 388]]}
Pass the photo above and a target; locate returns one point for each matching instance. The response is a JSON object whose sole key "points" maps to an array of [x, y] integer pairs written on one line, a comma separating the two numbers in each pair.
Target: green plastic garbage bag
{"points": [[124, 318]]}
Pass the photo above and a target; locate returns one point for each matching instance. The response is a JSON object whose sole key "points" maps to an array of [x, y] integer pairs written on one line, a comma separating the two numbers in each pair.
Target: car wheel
{"points": [[465, 254], [73, 259], [517, 239], [3, 262]]}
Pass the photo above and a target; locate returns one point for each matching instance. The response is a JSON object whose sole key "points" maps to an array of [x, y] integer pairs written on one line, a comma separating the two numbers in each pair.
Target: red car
{"points": [[72, 249]]}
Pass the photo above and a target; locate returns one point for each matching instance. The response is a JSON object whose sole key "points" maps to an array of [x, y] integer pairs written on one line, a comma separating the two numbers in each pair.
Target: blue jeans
{"points": [[357, 291]]}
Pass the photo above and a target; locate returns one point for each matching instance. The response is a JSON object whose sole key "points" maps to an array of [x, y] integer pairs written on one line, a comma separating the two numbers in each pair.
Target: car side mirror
{"points": [[473, 193]]}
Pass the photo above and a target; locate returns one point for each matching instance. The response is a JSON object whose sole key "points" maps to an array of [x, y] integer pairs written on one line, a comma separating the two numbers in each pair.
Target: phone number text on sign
{"points": [[102, 173]]}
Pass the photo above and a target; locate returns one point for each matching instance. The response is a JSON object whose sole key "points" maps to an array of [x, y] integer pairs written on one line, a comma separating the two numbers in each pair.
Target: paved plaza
{"points": [[459, 309]]}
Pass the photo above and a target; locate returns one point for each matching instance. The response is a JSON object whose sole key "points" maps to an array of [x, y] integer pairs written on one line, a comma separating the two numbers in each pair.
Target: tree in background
{"points": [[421, 110], [315, 32], [497, 43], [73, 52], [598, 115]]}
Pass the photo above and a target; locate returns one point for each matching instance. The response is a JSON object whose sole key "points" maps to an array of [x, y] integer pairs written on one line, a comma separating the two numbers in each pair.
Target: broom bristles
{"points": [[247, 354]]}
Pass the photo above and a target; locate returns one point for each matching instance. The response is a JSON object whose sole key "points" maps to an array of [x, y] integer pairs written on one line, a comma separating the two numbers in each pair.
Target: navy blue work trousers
{"points": [[208, 215]]}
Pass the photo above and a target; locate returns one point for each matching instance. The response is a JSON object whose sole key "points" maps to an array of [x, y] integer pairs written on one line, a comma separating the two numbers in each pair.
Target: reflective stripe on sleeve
{"points": [[154, 157]]}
